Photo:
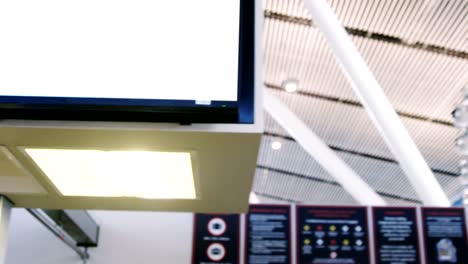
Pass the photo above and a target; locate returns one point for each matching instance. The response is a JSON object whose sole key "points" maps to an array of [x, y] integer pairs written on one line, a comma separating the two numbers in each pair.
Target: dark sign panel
{"points": [[327, 234], [396, 235], [445, 235], [216, 239], [268, 234]]}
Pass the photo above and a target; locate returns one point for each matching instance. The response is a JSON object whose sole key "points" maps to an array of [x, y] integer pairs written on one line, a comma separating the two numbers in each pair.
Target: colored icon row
{"points": [[333, 228], [333, 242]]}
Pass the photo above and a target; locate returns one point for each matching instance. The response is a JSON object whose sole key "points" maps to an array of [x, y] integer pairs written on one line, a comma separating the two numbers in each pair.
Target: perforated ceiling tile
{"points": [[418, 52], [418, 82], [349, 127], [298, 189], [291, 164], [441, 23]]}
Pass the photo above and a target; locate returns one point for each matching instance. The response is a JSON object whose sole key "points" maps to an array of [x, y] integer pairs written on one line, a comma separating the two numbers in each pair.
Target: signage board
{"points": [[268, 234], [445, 239], [331, 234], [396, 235], [216, 239]]}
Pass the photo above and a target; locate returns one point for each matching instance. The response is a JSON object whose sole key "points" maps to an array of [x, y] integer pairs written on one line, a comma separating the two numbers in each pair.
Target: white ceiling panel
{"points": [[433, 22], [418, 51], [349, 127], [385, 176], [417, 82]]}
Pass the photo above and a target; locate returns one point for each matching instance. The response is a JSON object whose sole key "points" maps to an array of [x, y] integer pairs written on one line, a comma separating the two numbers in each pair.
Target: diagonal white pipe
{"points": [[377, 105], [320, 151]]}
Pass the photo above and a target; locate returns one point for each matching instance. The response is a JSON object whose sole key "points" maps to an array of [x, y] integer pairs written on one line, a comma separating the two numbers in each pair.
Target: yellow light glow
{"points": [[97, 173]]}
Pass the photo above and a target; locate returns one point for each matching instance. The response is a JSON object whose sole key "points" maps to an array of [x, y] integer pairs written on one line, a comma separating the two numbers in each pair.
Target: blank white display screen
{"points": [[135, 49]]}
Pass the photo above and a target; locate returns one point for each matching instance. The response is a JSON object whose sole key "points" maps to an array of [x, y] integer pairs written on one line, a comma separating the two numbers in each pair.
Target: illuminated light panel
{"points": [[97, 173]]}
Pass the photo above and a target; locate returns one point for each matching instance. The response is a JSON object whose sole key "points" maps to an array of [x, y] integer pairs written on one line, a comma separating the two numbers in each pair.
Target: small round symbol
{"points": [[319, 242], [358, 229], [345, 228], [333, 255], [216, 252], [359, 242], [217, 226]]}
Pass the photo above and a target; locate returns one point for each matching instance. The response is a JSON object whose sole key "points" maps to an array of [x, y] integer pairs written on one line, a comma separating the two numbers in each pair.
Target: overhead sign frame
{"points": [[151, 110]]}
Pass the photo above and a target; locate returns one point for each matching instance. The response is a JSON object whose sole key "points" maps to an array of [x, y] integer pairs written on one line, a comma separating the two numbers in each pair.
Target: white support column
{"points": [[5, 209], [377, 105], [320, 151]]}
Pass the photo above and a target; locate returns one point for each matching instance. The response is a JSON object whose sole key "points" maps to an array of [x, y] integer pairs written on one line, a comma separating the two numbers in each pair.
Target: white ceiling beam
{"points": [[321, 152], [377, 105]]}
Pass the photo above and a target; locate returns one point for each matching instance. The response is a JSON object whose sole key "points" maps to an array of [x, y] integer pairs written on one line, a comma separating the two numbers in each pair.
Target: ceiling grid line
{"points": [[366, 155], [376, 36]]}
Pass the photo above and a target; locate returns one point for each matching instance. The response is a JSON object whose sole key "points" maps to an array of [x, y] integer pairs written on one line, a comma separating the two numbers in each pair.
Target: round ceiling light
{"points": [[290, 85], [275, 145]]}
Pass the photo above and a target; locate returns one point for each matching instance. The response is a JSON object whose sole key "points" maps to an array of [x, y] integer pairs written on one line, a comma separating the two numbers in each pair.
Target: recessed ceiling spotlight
{"points": [[275, 145], [290, 85]]}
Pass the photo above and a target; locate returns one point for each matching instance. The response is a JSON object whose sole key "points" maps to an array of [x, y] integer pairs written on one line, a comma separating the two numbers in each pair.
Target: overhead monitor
{"points": [[181, 61]]}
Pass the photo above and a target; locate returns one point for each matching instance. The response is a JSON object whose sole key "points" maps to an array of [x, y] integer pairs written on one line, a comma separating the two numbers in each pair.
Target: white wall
{"points": [[126, 237]]}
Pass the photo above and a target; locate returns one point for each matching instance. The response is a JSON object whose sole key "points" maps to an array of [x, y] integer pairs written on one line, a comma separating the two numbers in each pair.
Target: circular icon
{"points": [[345, 228], [358, 229], [216, 252], [306, 228], [332, 228], [319, 242], [359, 242], [217, 226], [345, 242], [333, 255]]}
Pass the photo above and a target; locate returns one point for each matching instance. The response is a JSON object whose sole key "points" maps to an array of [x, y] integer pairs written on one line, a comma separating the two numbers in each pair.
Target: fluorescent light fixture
{"points": [[97, 173], [132, 49]]}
